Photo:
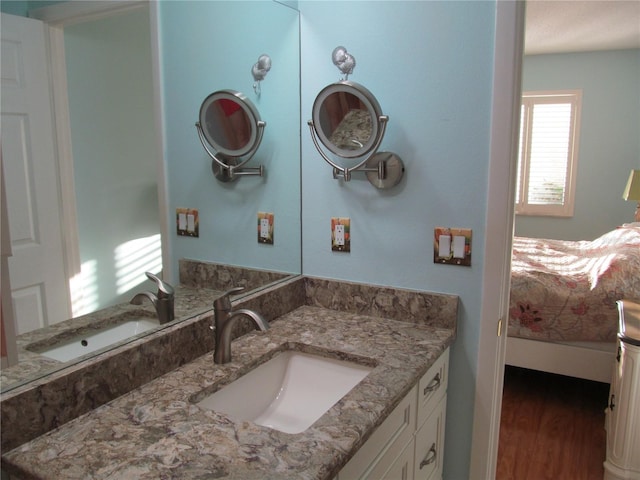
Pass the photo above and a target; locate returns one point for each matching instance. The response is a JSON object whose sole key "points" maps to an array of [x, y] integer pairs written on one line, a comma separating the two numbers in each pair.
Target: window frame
{"points": [[528, 100]]}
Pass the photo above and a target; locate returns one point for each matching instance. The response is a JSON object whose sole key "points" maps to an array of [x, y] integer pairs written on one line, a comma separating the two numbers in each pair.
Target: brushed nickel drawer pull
{"points": [[430, 458], [433, 384]]}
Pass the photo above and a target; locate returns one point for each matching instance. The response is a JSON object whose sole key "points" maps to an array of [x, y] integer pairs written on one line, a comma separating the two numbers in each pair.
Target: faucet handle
{"points": [[234, 290], [223, 302], [164, 289]]}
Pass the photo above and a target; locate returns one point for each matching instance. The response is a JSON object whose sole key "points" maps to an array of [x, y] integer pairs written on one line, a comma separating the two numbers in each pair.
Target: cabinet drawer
{"points": [[432, 386], [386, 443], [429, 444]]}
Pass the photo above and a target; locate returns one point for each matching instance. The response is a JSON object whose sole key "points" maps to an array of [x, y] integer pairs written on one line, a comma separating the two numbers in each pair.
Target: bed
{"points": [[563, 316]]}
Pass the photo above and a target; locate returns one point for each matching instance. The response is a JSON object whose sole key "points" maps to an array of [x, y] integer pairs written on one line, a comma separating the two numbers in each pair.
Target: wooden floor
{"points": [[552, 427]]}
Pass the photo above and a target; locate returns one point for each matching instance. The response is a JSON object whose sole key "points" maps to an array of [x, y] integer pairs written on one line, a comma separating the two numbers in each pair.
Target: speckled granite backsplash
{"points": [[433, 309], [36, 408], [217, 276]]}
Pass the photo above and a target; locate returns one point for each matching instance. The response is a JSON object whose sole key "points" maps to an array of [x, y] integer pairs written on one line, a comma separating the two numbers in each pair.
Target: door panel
{"points": [[39, 284]]}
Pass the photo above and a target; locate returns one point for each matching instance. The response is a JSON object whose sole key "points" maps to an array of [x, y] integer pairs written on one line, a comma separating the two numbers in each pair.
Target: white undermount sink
{"points": [[289, 392], [93, 340]]}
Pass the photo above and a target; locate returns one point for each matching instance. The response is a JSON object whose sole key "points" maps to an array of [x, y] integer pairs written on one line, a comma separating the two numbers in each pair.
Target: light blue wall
{"points": [[609, 138], [22, 7], [114, 142], [430, 66], [209, 46], [16, 7]]}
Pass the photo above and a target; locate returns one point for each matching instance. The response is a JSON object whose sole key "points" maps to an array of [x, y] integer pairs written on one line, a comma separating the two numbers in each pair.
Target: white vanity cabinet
{"points": [[622, 422], [409, 443]]}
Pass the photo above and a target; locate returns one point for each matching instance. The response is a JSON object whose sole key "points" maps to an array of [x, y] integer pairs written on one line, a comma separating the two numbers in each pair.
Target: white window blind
{"points": [[548, 153]]}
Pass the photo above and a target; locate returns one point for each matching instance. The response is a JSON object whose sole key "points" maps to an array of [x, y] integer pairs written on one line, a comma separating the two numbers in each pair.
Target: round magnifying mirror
{"points": [[229, 123], [346, 119]]}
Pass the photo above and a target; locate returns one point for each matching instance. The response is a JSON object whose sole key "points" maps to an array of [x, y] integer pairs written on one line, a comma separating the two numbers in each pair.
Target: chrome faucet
{"points": [[225, 318], [163, 301]]}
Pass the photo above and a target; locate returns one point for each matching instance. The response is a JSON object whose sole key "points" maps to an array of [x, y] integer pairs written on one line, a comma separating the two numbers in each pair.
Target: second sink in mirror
{"points": [[90, 340]]}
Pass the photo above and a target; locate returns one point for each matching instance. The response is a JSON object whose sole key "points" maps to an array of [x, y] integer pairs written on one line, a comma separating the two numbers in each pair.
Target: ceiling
{"points": [[562, 26]]}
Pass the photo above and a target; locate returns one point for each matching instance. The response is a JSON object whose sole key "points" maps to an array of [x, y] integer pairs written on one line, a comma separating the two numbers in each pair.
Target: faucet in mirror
{"points": [[163, 301]]}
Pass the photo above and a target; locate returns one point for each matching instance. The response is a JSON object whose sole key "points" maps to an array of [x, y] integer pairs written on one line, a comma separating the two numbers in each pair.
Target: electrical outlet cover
{"points": [[265, 227], [452, 246], [340, 234], [187, 222]]}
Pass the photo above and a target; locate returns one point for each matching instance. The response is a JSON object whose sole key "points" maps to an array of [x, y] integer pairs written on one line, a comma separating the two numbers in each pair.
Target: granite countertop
{"points": [[157, 431]]}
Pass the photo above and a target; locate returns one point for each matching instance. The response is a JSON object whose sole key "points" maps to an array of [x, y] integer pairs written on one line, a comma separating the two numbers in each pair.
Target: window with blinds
{"points": [[547, 157]]}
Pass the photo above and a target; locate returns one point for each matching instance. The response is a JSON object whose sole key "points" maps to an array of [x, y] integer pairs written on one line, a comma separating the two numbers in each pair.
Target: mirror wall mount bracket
{"points": [[358, 134], [344, 61], [259, 71], [229, 128], [227, 168]]}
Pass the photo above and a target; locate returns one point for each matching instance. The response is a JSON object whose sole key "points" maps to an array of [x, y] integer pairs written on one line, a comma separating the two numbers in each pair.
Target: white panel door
{"points": [[39, 284]]}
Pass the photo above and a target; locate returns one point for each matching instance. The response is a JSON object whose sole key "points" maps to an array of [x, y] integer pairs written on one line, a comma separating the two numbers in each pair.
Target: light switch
{"points": [[444, 246], [458, 246], [452, 246], [187, 223]]}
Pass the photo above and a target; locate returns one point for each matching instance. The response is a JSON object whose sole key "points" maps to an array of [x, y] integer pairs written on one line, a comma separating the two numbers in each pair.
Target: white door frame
{"points": [[56, 18], [507, 74], [9, 355]]}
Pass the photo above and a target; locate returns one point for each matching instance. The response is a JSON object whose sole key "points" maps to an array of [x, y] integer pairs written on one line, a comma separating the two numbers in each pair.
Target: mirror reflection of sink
{"points": [[289, 392], [91, 340]]}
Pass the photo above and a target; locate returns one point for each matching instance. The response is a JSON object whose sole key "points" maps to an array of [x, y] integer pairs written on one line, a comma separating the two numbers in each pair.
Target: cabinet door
{"points": [[386, 444], [429, 445], [402, 468], [611, 413], [623, 414]]}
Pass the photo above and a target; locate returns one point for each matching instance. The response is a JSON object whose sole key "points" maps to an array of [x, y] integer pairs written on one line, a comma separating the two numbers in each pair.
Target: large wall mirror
{"points": [[180, 176]]}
